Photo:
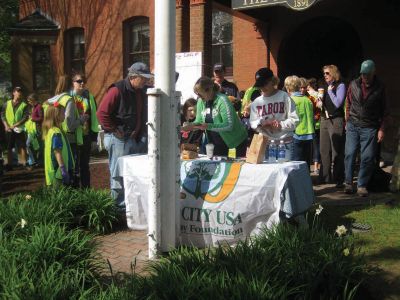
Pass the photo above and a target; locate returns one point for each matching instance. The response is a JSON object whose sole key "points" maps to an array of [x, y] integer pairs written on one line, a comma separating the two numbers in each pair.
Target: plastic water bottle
{"points": [[272, 152], [281, 152]]}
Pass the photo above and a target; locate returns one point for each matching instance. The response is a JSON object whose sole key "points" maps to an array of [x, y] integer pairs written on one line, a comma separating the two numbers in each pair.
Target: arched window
{"points": [[222, 50], [136, 45], [74, 50]]}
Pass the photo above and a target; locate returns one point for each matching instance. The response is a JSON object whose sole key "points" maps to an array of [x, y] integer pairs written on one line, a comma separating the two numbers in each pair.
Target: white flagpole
{"points": [[166, 158]]}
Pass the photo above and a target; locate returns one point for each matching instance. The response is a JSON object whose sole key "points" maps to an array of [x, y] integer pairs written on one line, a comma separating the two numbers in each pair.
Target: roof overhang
{"points": [[35, 24]]}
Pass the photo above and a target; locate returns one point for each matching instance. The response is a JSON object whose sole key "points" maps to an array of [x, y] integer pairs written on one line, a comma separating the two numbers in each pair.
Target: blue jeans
{"points": [[34, 156], [116, 148], [302, 150], [364, 139]]}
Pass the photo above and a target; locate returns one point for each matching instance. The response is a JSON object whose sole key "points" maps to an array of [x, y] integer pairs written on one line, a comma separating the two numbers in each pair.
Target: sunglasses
{"points": [[80, 81], [327, 73]]}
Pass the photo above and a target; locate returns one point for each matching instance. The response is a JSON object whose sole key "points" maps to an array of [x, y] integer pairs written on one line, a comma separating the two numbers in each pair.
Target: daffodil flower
{"points": [[23, 223], [341, 230], [319, 210], [346, 252]]}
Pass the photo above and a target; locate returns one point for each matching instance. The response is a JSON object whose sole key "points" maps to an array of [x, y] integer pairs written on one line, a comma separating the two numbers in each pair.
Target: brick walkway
{"points": [[124, 249]]}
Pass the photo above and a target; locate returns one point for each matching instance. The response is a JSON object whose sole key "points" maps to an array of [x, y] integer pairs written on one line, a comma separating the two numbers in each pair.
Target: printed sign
{"points": [[189, 67], [293, 4]]}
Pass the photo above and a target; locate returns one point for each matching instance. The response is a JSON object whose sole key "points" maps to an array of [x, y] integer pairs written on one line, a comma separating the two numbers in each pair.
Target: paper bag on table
{"points": [[256, 152]]}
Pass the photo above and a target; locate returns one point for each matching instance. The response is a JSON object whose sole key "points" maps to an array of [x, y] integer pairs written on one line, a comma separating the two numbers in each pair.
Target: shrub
{"points": [[283, 263], [51, 263], [91, 209], [44, 254]]}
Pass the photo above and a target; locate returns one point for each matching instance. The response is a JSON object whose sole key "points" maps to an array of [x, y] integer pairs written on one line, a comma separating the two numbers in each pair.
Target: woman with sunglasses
{"points": [[216, 115], [86, 106], [332, 127]]}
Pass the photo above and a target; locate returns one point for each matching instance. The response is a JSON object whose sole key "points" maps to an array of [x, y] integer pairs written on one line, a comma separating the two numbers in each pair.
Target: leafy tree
{"points": [[8, 17]]}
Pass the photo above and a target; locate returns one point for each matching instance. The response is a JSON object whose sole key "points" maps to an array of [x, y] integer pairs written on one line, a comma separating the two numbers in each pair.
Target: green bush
{"points": [[284, 263], [45, 254], [51, 263], [90, 209]]}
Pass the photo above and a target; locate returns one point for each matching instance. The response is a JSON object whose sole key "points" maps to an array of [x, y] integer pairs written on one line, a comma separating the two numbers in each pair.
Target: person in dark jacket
{"points": [[332, 127], [366, 113], [120, 114]]}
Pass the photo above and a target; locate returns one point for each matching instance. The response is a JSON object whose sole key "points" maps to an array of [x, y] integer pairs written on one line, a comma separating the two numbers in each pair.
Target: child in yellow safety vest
{"points": [[58, 159]]}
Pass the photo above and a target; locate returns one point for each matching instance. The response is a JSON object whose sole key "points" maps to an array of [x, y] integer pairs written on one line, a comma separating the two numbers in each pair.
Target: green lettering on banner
{"points": [[183, 213], [219, 217], [206, 213], [212, 230], [203, 215]]}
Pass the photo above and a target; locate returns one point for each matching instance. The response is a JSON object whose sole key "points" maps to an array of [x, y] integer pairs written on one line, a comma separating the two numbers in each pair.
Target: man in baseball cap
{"points": [[262, 76], [139, 69], [226, 87], [273, 113], [367, 67], [121, 114], [366, 112]]}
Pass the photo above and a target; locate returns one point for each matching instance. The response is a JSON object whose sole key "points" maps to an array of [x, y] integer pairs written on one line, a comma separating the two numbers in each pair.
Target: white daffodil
{"points": [[28, 197], [341, 230], [346, 252], [319, 210], [23, 223]]}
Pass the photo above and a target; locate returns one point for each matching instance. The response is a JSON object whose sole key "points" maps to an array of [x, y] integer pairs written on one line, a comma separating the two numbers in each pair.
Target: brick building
{"points": [[102, 38]]}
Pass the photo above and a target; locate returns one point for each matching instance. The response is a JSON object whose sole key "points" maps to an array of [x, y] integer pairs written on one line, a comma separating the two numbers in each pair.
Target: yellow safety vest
{"points": [[63, 101], [12, 117], [50, 171]]}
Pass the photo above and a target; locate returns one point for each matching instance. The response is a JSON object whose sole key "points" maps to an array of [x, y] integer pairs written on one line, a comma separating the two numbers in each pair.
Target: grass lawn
{"points": [[380, 245]]}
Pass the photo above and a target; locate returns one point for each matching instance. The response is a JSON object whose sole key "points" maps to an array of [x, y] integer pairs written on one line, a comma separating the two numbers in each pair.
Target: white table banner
{"points": [[219, 201]]}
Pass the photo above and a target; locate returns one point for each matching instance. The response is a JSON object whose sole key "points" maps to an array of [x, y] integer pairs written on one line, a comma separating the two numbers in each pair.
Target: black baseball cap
{"points": [[262, 76], [218, 67]]}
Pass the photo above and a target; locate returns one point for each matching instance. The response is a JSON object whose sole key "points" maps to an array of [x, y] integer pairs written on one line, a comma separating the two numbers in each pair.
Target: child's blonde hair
{"points": [[292, 84], [52, 118]]}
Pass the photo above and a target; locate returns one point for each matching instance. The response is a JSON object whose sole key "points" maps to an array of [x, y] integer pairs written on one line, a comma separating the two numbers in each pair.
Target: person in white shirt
{"points": [[274, 112]]}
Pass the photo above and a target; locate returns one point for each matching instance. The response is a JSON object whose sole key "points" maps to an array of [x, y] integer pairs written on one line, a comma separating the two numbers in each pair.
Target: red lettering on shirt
{"points": [[259, 111], [281, 107], [269, 108]]}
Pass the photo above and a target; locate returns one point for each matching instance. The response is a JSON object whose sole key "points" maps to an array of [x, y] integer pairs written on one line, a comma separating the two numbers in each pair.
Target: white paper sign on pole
{"points": [[189, 67]]}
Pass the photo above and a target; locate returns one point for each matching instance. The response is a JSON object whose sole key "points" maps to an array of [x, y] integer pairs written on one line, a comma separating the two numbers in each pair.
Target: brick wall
{"points": [[200, 31], [102, 23], [249, 50]]}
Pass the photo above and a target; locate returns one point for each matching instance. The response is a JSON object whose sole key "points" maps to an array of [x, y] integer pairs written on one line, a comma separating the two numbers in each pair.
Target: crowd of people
{"points": [[324, 122], [56, 133], [320, 121]]}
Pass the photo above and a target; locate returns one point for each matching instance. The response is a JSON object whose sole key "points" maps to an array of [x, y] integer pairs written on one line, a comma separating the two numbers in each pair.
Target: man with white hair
{"points": [[365, 114], [121, 115]]}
